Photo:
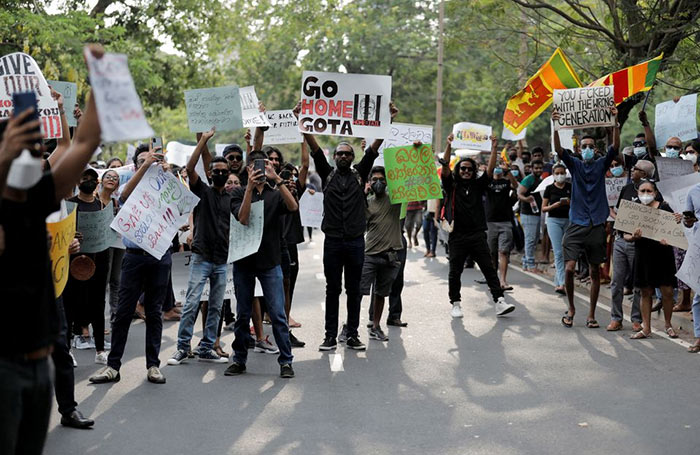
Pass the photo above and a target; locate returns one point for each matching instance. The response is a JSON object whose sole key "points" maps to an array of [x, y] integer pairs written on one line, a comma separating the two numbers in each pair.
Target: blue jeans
{"points": [[200, 271], [430, 232], [696, 315], [531, 228], [556, 228], [273, 291]]}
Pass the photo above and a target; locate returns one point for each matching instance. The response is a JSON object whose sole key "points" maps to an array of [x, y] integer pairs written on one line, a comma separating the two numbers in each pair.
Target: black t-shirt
{"points": [[293, 230], [212, 218], [269, 254], [555, 194], [531, 183], [29, 321], [500, 201], [469, 213]]}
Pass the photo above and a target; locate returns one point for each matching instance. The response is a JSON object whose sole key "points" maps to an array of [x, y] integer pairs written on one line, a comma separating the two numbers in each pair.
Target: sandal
{"points": [[694, 348], [671, 333], [220, 352], [640, 335], [567, 321], [592, 324]]}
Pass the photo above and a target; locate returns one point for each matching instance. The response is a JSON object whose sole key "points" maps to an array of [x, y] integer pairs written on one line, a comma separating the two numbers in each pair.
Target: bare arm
{"points": [[492, 158], [289, 200], [198, 151], [304, 169], [557, 141], [447, 154], [129, 187], [648, 134], [259, 131], [521, 195], [63, 143]]}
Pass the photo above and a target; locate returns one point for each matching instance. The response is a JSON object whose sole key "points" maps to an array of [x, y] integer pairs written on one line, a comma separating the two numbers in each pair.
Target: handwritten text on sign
{"points": [[345, 104], [411, 174], [69, 90], [94, 227], [208, 107], [655, 224], [252, 117], [584, 107], [284, 128], [673, 167], [20, 73], [676, 119], [154, 212], [62, 233], [244, 240], [613, 187]]}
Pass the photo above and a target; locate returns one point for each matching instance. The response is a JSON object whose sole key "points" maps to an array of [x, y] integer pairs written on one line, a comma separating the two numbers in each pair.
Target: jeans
{"points": [[200, 272], [623, 265], [556, 228], [395, 302], [696, 315], [273, 291], [430, 232], [64, 382], [343, 255], [472, 244], [116, 255], [25, 406], [531, 228], [140, 273]]}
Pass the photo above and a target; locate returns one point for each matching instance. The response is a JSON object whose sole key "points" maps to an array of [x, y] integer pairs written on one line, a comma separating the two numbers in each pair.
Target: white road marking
{"points": [[336, 362]]}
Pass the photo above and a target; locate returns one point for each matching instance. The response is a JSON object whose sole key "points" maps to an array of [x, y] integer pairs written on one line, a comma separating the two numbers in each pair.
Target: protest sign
{"points": [[94, 227], [20, 73], [508, 135], [689, 272], [154, 212], [411, 174], [673, 167], [118, 105], [284, 128], [69, 90], [676, 119], [403, 134], [655, 224], [613, 187], [339, 104], [311, 209], [62, 233], [674, 191], [218, 107], [181, 277], [244, 240], [250, 110], [471, 136], [566, 138], [584, 107]]}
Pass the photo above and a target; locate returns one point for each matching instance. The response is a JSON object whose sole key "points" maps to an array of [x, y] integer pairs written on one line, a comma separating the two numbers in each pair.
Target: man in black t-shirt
{"points": [[500, 195], [465, 193]]}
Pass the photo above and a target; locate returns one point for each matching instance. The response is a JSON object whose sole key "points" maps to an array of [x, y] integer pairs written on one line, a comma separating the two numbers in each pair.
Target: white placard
{"points": [[403, 134], [508, 135], [584, 107], [670, 168], [181, 276], [284, 128], [219, 149], [156, 209], [676, 119], [674, 191], [355, 105], [119, 107], [689, 272], [20, 73], [613, 187], [250, 109], [311, 209], [245, 240], [566, 138], [471, 136]]}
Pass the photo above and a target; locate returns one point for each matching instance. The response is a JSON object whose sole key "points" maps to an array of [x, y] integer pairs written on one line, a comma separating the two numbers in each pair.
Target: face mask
{"points": [[640, 151], [692, 157], [617, 171], [646, 199], [671, 153], [25, 171], [219, 180], [560, 178], [498, 171], [515, 173], [587, 154], [379, 187], [88, 186]]}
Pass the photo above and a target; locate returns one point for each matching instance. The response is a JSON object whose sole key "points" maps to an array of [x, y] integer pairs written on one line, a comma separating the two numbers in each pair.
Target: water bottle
{"points": [[533, 206]]}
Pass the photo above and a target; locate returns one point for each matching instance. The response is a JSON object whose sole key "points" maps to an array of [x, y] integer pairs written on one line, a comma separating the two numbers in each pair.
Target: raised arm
{"points": [[203, 138], [63, 143], [557, 141], [494, 154], [304, 169], [447, 154], [289, 200], [259, 131], [648, 135]]}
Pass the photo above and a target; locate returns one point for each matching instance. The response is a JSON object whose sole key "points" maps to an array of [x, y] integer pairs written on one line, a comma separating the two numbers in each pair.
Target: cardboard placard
{"points": [[613, 187], [471, 136], [62, 233], [675, 191], [96, 230], [69, 90], [403, 134], [411, 174], [655, 224], [284, 128], [218, 107], [584, 107]]}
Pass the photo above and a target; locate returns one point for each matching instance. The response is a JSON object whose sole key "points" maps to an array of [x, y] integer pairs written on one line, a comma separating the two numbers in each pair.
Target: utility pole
{"points": [[437, 142]]}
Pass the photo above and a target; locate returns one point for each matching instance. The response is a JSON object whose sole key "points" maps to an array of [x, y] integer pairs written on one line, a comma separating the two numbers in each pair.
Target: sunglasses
{"points": [[466, 169], [673, 147], [220, 172], [233, 157], [342, 153], [110, 177], [639, 144]]}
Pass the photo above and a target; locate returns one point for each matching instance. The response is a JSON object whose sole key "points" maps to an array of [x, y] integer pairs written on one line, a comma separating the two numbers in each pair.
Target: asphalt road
{"points": [[523, 384]]}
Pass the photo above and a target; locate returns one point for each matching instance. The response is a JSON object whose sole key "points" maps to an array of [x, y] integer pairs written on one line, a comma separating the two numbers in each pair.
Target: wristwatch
{"points": [[443, 162]]}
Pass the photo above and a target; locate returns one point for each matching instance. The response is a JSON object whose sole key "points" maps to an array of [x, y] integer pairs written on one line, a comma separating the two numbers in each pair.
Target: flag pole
{"points": [[646, 98]]}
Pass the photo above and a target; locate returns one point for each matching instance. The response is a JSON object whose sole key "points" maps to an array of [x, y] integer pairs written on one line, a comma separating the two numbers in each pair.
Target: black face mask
{"points": [[379, 187], [219, 180], [88, 186]]}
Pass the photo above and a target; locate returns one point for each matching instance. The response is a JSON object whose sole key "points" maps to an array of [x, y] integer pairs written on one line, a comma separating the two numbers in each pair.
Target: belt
{"points": [[37, 354], [137, 251]]}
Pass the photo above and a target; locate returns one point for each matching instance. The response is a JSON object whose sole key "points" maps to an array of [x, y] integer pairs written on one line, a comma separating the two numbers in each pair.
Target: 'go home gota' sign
{"points": [[338, 104], [154, 212], [411, 174]]}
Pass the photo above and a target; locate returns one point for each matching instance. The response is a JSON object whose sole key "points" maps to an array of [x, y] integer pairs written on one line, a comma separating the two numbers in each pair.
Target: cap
{"points": [[647, 167], [90, 171], [232, 148]]}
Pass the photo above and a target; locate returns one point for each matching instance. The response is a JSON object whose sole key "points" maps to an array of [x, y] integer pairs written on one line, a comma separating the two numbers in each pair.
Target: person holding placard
{"points": [[588, 213], [465, 213], [654, 265], [691, 214], [110, 184]]}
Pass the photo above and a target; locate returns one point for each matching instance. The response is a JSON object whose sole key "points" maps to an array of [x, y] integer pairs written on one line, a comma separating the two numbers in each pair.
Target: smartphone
{"points": [[689, 214], [259, 164], [23, 101], [157, 142], [286, 174]]}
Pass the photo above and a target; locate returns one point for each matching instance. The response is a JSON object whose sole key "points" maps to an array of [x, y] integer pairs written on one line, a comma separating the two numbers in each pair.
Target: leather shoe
{"points": [[76, 420], [396, 323]]}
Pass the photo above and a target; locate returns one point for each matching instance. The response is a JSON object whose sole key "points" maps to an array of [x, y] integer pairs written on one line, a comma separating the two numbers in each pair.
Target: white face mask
{"points": [[25, 171], [692, 157], [671, 153], [560, 178], [639, 151], [646, 199]]}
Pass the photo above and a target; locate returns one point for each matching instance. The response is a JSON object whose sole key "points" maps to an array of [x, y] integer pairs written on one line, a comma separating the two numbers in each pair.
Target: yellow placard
{"points": [[62, 234]]}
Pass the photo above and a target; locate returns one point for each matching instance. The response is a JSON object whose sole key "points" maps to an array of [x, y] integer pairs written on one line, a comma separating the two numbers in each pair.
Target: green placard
{"points": [[411, 174], [69, 90]]}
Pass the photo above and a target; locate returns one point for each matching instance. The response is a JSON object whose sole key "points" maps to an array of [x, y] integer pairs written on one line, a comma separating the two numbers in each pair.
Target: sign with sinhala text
{"points": [[403, 134], [62, 233], [339, 104], [218, 107], [655, 224], [471, 136], [411, 174], [584, 107], [69, 90], [676, 119]]}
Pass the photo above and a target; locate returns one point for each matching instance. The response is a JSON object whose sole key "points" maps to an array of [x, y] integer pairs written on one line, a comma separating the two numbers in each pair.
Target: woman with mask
{"points": [[654, 265], [110, 184], [616, 170], [555, 202]]}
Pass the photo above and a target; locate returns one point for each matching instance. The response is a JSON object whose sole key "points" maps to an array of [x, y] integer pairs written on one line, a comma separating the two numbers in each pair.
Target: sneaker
{"points": [[377, 334], [286, 371], [294, 341], [155, 376], [503, 307], [230, 327], [106, 374], [355, 343], [329, 344], [211, 356], [101, 358], [75, 362], [234, 369], [265, 347], [91, 342], [456, 310], [343, 337], [82, 343], [108, 345], [195, 351], [179, 357]]}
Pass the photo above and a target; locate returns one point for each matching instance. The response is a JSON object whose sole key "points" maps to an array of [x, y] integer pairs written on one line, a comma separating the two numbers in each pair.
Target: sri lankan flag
{"points": [[528, 103], [631, 80]]}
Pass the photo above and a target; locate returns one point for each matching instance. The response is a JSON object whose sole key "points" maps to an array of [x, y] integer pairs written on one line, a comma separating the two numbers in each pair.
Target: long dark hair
{"points": [[455, 171]]}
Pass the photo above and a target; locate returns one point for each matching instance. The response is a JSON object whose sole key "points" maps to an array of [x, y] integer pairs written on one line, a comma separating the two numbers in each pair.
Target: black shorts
{"points": [[590, 239], [379, 270]]}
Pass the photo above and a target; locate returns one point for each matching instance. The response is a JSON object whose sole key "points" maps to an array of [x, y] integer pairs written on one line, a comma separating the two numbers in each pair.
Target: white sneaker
{"points": [[82, 342], [75, 362], [91, 342], [101, 358], [456, 310], [503, 307]]}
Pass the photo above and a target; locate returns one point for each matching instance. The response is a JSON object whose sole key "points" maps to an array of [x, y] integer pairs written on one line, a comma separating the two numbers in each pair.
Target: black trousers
{"points": [[395, 303], [472, 244], [64, 383], [293, 268], [343, 256]]}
